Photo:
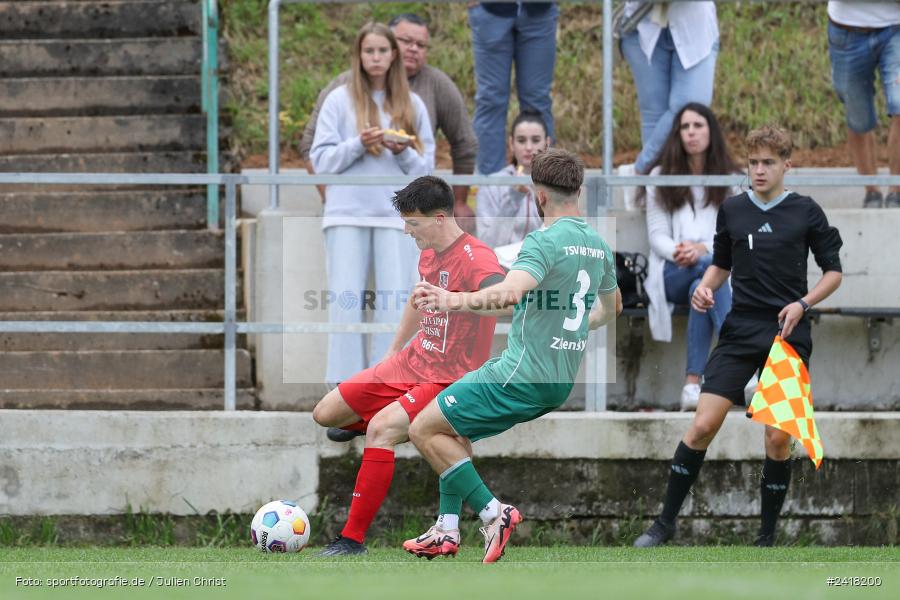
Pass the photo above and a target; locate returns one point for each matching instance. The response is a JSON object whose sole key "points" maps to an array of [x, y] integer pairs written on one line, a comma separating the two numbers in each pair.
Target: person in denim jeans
{"points": [[681, 224], [503, 33], [864, 37], [672, 55]]}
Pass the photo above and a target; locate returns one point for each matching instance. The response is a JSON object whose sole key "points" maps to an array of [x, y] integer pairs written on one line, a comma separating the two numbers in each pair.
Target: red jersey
{"points": [[449, 345]]}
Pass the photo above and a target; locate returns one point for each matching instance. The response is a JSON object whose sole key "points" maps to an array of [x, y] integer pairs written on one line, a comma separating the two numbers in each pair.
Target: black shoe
{"points": [[765, 540], [342, 546], [892, 200], [873, 200], [336, 434], [658, 534]]}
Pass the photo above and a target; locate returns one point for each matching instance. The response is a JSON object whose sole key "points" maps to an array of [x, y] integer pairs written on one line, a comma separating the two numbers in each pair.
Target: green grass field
{"points": [[525, 572]]}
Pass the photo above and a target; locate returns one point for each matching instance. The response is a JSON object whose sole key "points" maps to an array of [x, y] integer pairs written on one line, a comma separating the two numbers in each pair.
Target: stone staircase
{"points": [[107, 86]]}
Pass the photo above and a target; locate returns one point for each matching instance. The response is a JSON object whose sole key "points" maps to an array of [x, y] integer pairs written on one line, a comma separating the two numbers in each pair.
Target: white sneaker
{"points": [[690, 396]]}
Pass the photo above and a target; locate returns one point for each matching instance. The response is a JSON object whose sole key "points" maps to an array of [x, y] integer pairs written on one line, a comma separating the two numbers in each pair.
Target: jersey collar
{"points": [[579, 220], [767, 206], [454, 244]]}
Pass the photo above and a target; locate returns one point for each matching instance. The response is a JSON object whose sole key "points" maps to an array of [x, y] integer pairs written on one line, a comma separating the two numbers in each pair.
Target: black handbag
{"points": [[631, 271]]}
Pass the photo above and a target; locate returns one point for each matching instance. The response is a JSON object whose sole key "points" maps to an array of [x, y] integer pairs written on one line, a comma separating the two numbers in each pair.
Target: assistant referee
{"points": [[763, 238]]}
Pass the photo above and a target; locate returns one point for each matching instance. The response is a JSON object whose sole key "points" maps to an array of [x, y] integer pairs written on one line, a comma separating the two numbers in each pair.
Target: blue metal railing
{"points": [[209, 82]]}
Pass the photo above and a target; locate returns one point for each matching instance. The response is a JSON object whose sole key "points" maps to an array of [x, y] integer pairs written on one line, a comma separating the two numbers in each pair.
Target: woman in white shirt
{"points": [[361, 227], [506, 214], [681, 224], [672, 55]]}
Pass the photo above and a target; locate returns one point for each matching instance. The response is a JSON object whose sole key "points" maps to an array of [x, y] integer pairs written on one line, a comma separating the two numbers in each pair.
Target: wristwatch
{"points": [[803, 303]]}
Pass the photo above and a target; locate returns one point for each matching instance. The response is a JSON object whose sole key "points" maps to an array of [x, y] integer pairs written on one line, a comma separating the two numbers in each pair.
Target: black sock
{"points": [[685, 466], [773, 488]]}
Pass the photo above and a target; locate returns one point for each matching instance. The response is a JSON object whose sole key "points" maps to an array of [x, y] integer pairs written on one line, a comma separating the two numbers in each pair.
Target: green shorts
{"points": [[477, 409]]}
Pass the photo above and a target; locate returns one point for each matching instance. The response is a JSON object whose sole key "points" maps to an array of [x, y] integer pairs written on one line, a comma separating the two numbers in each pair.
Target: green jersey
{"points": [[549, 331]]}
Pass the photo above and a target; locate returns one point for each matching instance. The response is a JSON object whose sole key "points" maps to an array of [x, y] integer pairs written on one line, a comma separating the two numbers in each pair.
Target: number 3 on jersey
{"points": [[584, 283]]}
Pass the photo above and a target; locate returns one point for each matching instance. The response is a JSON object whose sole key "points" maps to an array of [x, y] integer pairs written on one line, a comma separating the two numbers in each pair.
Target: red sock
{"points": [[372, 484], [358, 426]]}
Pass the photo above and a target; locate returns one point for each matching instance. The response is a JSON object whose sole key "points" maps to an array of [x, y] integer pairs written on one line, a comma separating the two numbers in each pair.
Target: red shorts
{"points": [[389, 381]]}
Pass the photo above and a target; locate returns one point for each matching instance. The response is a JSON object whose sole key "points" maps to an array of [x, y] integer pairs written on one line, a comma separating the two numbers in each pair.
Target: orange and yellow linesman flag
{"points": [[783, 398]]}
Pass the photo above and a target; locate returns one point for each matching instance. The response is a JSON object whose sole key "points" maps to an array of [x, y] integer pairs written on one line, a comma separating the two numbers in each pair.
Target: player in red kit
{"points": [[384, 399]]}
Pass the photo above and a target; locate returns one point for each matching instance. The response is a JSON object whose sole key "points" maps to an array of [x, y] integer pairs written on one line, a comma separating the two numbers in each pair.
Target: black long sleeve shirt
{"points": [[766, 248]]}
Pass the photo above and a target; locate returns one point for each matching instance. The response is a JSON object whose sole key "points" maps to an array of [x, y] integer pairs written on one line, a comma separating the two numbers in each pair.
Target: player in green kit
{"points": [[561, 271]]}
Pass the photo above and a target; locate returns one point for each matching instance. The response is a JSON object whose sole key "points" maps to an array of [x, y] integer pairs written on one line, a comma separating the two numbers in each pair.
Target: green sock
{"points": [[465, 483], [451, 504]]}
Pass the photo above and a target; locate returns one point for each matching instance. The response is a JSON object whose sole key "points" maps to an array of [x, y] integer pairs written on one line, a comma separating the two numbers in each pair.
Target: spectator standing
{"points": [[443, 100], [507, 213], [360, 223], [681, 225], [504, 33], [864, 37], [672, 54]]}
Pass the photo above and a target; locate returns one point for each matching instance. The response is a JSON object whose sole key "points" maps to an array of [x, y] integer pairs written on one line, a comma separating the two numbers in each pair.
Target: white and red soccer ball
{"points": [[280, 526]]}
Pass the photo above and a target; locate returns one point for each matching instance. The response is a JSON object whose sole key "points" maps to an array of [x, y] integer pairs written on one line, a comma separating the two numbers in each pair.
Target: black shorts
{"points": [[744, 344]]}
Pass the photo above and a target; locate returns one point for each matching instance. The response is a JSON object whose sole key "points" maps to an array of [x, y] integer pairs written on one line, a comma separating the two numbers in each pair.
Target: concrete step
{"points": [[101, 162], [119, 370], [93, 96], [101, 210], [107, 134], [112, 251], [19, 342], [112, 290], [92, 19], [189, 399], [108, 57]]}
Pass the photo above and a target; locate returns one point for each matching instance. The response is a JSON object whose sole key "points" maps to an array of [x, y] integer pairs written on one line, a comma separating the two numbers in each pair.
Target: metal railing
{"points": [[209, 84], [229, 327]]}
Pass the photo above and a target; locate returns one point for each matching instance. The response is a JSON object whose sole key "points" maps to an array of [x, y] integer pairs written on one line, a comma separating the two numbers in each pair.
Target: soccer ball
{"points": [[280, 526]]}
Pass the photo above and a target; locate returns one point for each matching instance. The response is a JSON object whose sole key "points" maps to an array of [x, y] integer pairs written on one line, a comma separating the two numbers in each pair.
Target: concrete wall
{"points": [[96, 462], [569, 470]]}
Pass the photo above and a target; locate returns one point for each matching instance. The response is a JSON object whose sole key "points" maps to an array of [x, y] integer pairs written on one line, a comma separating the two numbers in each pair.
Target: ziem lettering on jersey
{"points": [[561, 344]]}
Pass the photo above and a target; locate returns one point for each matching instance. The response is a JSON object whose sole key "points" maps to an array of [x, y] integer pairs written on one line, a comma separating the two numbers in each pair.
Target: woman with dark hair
{"points": [[681, 224], [506, 214], [355, 136]]}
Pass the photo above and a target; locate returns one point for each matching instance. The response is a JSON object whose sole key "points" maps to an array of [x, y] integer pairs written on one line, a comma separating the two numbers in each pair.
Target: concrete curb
{"points": [[189, 462]]}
